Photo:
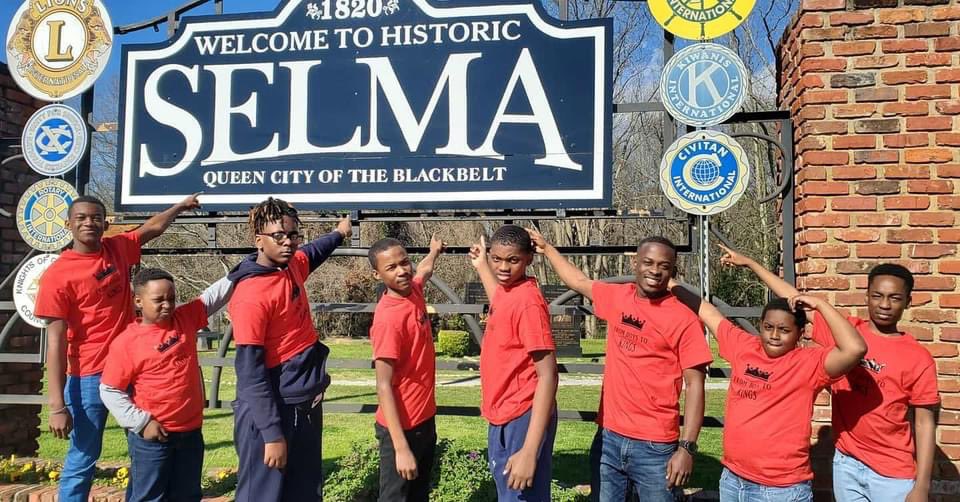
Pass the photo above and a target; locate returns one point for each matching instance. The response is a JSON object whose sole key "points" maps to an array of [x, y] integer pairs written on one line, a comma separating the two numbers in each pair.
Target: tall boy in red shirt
{"points": [[157, 359], [281, 366], [766, 433], [876, 458], [654, 344], [85, 297], [518, 369], [405, 364]]}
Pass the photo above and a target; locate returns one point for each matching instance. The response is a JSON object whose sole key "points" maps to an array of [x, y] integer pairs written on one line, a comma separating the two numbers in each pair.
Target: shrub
{"points": [[356, 477], [453, 343], [461, 475]]}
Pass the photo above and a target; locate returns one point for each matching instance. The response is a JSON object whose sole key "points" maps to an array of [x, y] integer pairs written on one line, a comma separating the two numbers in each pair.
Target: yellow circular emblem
{"points": [[42, 214], [700, 19], [56, 49]]}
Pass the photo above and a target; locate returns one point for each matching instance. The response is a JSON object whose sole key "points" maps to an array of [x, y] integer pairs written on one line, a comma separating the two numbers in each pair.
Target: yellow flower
{"points": [[125, 482], [122, 473], [224, 474], [27, 467], [54, 475]]}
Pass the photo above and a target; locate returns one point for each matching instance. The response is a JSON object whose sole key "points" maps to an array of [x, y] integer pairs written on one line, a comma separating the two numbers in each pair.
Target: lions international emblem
{"points": [[56, 49]]}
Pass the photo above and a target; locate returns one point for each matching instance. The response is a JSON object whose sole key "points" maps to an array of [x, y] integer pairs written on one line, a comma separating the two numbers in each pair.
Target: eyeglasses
{"points": [[279, 237]]}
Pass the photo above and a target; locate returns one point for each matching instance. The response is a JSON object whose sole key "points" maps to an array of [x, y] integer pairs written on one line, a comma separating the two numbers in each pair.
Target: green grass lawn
{"points": [[341, 431]]}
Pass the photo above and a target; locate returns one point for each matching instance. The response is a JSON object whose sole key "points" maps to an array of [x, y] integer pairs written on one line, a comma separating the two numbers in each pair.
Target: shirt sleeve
{"points": [[128, 243], [818, 372], [249, 323], [922, 388], [692, 347], [387, 338], [821, 332], [533, 326], [118, 370], [53, 300], [193, 316], [318, 250], [729, 339], [604, 303]]}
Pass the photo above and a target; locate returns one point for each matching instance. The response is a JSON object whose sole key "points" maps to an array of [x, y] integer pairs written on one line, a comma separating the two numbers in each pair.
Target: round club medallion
{"points": [[704, 172], [26, 285], [54, 140], [42, 214], [703, 85], [57, 49], [700, 19]]}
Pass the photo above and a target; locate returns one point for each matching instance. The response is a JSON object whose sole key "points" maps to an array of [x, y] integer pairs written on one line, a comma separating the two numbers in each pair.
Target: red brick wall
{"points": [[19, 425], [873, 89]]}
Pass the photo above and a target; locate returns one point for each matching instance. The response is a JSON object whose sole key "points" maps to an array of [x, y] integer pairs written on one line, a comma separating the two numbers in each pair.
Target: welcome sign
{"points": [[372, 104]]}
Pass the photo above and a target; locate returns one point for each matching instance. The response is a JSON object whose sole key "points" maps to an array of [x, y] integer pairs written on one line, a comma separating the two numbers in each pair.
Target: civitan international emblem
{"points": [[704, 172], [56, 49]]}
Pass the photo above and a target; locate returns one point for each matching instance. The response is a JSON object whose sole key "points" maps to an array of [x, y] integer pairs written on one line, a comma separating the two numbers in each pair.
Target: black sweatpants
{"points": [[423, 443], [302, 479]]}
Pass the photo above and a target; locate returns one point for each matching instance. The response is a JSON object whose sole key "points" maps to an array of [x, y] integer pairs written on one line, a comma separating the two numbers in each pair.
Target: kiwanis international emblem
{"points": [[700, 19], [704, 172], [703, 85], [27, 284], [56, 49], [54, 140], [42, 214]]}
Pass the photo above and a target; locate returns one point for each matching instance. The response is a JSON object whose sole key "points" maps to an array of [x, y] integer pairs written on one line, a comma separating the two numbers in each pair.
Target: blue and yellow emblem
{"points": [[42, 214], [700, 19], [704, 172]]}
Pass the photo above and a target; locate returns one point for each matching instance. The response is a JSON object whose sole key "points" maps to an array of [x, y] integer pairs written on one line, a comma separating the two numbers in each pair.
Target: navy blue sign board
{"points": [[335, 104]]}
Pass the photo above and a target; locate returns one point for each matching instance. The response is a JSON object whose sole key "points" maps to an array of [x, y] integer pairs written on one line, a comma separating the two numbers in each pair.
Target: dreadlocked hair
{"points": [[269, 211]]}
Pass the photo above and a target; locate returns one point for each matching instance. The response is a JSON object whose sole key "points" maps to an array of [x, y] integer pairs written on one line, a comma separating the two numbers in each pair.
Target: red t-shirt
{"points": [[649, 344], [766, 432], [91, 292], [162, 366], [519, 324], [272, 311], [401, 332], [870, 403]]}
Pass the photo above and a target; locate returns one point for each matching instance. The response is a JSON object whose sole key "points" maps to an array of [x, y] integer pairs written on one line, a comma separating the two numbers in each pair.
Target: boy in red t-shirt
{"points": [[85, 298], [518, 369], [156, 359], [281, 365], [875, 445], [404, 358], [654, 345], [773, 384]]}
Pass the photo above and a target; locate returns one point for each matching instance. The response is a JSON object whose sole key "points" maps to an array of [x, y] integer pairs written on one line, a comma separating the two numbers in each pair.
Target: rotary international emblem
{"points": [[57, 49], [26, 285], [700, 19], [54, 140], [704, 172], [42, 214]]}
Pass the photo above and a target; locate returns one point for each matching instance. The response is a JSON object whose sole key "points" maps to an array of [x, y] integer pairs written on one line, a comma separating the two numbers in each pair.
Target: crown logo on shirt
{"points": [[166, 344], [632, 321], [872, 365], [757, 373], [105, 272]]}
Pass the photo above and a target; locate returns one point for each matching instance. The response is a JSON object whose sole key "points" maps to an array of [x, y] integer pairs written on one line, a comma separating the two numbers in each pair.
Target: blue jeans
{"points": [[854, 481], [505, 440], [165, 471], [618, 462], [733, 488], [82, 397]]}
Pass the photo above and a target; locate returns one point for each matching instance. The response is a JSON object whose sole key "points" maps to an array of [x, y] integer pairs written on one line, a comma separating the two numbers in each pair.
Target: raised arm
{"points": [[425, 267], [478, 258], [708, 314], [773, 281], [217, 295], [572, 276], [850, 347], [160, 222]]}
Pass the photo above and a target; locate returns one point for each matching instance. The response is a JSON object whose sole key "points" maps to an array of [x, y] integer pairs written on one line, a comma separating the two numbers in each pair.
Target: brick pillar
{"points": [[873, 89], [19, 425]]}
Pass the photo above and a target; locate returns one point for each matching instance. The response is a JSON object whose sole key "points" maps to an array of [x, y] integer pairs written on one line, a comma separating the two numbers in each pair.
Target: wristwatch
{"points": [[690, 446]]}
